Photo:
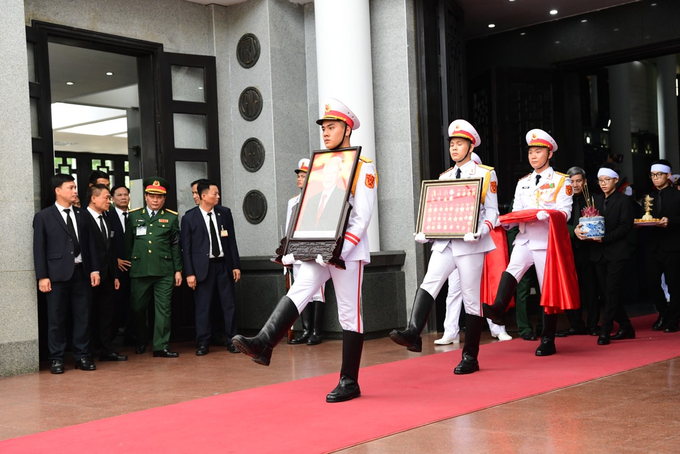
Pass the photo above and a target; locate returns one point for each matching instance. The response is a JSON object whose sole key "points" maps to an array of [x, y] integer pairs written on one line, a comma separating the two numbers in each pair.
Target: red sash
{"points": [[560, 284]]}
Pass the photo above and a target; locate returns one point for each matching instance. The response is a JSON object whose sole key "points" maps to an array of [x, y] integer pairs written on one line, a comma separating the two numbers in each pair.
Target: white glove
{"points": [[288, 259], [470, 238], [319, 260], [542, 215], [483, 230], [420, 238]]}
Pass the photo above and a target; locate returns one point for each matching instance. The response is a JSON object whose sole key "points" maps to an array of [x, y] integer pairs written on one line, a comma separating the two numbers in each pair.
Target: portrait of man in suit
{"points": [[321, 210], [211, 262], [66, 268]]}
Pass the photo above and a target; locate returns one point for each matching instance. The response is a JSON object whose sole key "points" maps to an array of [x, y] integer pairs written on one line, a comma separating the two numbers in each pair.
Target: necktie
{"points": [[153, 213], [72, 232], [101, 226], [213, 237], [457, 174], [125, 214], [321, 205], [538, 177]]}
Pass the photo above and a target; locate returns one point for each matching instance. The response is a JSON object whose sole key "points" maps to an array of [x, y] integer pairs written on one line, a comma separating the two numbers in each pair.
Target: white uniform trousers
{"points": [[521, 260], [470, 267], [454, 302], [347, 284], [318, 295]]}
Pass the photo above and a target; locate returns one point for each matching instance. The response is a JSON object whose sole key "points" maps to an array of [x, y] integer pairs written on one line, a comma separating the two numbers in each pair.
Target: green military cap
{"points": [[156, 185]]}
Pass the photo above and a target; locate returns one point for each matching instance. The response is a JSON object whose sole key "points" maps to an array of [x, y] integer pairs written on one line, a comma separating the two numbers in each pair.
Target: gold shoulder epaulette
{"points": [[365, 159], [172, 212], [562, 174], [136, 209], [447, 170], [489, 168], [526, 176]]}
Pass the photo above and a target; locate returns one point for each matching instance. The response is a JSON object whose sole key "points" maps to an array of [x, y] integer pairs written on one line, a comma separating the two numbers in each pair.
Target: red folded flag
{"points": [[560, 284]]}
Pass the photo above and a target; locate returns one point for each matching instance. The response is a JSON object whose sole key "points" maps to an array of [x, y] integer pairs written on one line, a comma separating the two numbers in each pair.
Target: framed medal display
{"points": [[449, 208]]}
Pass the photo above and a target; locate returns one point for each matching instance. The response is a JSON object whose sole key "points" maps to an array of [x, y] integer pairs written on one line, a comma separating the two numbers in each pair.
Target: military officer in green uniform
{"points": [[153, 248]]}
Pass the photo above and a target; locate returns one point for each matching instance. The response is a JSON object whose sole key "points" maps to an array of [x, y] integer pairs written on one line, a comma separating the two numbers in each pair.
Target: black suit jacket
{"points": [[328, 220], [118, 233], [618, 221], [195, 240], [53, 246], [105, 250], [666, 239]]}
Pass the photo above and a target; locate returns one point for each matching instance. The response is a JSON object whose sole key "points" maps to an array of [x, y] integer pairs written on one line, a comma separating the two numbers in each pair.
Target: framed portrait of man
{"points": [[319, 221], [449, 208]]}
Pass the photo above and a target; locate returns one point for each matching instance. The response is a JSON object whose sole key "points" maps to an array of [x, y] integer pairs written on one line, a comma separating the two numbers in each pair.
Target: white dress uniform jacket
{"points": [[362, 199], [488, 209], [553, 192]]}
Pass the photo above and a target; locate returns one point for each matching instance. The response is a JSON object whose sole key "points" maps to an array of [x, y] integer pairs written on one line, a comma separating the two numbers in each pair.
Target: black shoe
{"points": [[506, 289], [85, 363], [232, 349], [317, 323], [625, 333], [546, 348], [467, 365], [57, 366], [301, 339], [314, 339], [347, 389], [671, 328], [201, 350], [659, 324], [140, 349], [410, 337], [275, 328], [594, 331], [412, 342], [603, 339], [571, 332], [165, 353], [529, 336], [113, 356]]}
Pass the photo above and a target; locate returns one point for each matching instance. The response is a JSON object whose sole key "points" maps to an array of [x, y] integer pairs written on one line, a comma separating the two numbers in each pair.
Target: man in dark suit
{"points": [[66, 268], [104, 326], [663, 248], [584, 267], [118, 213], [610, 253], [322, 211], [211, 262]]}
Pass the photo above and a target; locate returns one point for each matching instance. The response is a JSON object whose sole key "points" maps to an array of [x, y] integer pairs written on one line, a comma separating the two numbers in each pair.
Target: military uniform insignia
{"points": [[493, 187], [370, 181], [165, 221], [327, 107], [569, 190], [171, 212]]}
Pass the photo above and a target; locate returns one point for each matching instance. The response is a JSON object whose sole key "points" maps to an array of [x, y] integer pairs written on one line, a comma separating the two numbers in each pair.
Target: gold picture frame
{"points": [[449, 208]]}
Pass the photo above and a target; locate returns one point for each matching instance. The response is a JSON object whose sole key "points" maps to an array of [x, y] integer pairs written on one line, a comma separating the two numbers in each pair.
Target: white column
{"points": [[667, 111], [345, 72], [620, 141]]}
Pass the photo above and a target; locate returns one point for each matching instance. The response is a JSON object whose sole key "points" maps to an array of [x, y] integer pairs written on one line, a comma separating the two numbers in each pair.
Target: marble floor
{"points": [[634, 411]]}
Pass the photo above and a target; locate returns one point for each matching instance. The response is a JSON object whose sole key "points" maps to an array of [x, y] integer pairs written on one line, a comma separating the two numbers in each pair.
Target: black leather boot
{"points": [[547, 346], [317, 323], [260, 347], [410, 337], [506, 290], [348, 387], [473, 334], [307, 318]]}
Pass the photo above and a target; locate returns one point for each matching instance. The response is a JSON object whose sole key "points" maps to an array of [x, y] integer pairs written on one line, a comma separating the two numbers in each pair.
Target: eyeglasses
{"points": [[656, 175], [604, 180]]}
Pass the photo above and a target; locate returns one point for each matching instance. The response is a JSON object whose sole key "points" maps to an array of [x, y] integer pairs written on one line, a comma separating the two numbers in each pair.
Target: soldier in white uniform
{"points": [[466, 254], [337, 124], [454, 303], [542, 189], [312, 316]]}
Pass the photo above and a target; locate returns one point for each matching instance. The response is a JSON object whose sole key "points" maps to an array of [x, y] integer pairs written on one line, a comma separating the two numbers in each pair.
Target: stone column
{"points": [[619, 105], [18, 312], [345, 72], [667, 108]]}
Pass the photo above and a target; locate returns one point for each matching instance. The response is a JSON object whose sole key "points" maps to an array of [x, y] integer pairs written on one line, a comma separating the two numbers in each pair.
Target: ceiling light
{"points": [[491, 25], [101, 128], [67, 115], [557, 42], [200, 88], [653, 4], [109, 73], [553, 12], [69, 83], [583, 21], [616, 29], [523, 33]]}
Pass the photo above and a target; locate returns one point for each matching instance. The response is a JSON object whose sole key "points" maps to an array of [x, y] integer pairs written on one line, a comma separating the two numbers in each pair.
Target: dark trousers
{"points": [[522, 309], [585, 271], [668, 263], [104, 320], [70, 296], [220, 282], [122, 304], [609, 279]]}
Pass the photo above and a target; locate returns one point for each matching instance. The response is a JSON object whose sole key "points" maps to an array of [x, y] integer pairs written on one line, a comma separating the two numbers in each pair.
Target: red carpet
{"points": [[396, 396]]}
